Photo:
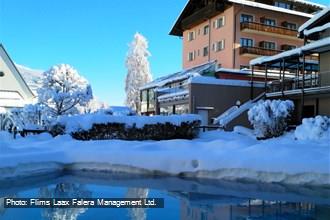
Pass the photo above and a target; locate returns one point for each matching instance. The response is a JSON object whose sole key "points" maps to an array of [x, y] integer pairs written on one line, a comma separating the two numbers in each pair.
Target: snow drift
{"points": [[215, 155], [315, 129]]}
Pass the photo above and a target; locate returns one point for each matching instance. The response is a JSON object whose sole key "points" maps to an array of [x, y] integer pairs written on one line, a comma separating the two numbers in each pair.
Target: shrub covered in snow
{"points": [[269, 118], [29, 117], [103, 126], [317, 128]]}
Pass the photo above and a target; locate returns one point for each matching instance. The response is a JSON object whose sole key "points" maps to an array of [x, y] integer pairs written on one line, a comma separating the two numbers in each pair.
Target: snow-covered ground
{"points": [[216, 155]]}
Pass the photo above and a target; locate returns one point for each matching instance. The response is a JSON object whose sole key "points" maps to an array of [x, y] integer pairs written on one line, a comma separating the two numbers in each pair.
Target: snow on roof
{"points": [[309, 3], [31, 76], [317, 44], [278, 9], [227, 70], [313, 19], [225, 82], [184, 74], [317, 29], [174, 96]]}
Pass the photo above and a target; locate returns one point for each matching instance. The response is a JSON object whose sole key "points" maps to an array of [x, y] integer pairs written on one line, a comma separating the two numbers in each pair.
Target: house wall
{"points": [[224, 33], [221, 98], [263, 36], [324, 106], [230, 56], [325, 68], [11, 84]]}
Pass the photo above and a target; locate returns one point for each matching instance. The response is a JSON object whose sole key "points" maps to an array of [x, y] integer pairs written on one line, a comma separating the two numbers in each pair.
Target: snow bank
{"points": [[85, 122], [215, 155], [315, 129]]}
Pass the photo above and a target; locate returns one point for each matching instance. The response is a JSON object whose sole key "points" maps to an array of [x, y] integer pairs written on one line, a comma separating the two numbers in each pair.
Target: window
{"points": [[166, 110], [191, 56], [267, 21], [244, 67], [205, 51], [151, 98], [206, 30], [283, 5], [268, 45], [218, 46], [288, 47], [246, 18], [144, 97], [181, 109], [246, 42], [220, 22], [191, 36], [291, 26]]}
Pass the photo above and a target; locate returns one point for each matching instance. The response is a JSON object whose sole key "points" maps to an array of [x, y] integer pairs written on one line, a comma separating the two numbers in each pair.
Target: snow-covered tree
{"points": [[63, 90], [269, 118], [64, 190], [138, 70], [94, 105]]}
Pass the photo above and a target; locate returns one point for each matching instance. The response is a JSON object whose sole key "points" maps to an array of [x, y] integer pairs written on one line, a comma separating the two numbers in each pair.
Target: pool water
{"points": [[183, 198]]}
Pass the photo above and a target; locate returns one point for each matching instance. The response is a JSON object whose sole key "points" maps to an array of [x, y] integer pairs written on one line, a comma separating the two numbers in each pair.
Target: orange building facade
{"points": [[234, 33]]}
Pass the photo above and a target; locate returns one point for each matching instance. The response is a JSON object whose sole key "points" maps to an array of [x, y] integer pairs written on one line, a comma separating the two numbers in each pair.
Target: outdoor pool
{"points": [[183, 198]]}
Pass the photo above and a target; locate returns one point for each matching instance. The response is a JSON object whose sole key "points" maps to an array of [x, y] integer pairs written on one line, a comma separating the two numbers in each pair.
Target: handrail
{"points": [[225, 118]]}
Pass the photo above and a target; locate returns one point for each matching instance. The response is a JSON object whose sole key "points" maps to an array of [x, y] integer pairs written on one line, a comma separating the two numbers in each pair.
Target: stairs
{"points": [[233, 112]]}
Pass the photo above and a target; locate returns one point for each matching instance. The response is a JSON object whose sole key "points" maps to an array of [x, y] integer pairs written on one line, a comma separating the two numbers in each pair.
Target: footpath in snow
{"points": [[215, 155]]}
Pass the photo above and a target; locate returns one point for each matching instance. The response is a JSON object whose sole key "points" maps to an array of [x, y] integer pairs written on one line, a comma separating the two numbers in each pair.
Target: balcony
{"points": [[260, 28], [257, 51]]}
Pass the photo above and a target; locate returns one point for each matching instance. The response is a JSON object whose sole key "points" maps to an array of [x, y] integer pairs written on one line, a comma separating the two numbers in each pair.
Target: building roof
{"points": [[193, 5], [278, 9], [315, 47], [182, 75], [311, 23], [225, 82]]}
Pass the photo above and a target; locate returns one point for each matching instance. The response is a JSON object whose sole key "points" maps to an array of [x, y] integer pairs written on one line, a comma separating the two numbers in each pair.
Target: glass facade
{"points": [[181, 109]]}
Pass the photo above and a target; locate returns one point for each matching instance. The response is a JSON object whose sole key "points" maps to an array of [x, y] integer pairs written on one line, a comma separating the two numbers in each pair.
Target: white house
{"points": [[14, 91]]}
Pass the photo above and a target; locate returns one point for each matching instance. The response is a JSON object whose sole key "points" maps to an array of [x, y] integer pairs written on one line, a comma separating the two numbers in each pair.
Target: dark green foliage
{"points": [[160, 131]]}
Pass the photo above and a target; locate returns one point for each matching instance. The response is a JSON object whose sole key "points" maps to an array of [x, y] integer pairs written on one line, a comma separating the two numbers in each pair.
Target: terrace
{"points": [[261, 28]]}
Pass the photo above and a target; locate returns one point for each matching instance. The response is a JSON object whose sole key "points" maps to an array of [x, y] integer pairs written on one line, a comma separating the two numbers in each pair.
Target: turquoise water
{"points": [[183, 198]]}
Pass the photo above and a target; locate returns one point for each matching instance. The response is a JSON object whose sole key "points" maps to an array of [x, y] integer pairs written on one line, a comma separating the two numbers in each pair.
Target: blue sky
{"points": [[92, 36]]}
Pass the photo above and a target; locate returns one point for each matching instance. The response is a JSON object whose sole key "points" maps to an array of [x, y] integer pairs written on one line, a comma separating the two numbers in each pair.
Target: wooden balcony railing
{"points": [[258, 51], [268, 28]]}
